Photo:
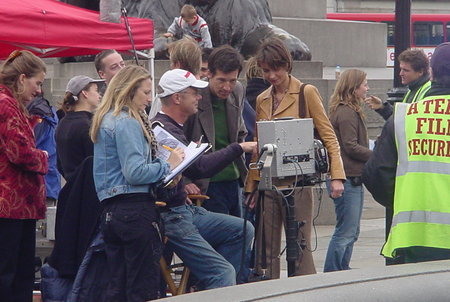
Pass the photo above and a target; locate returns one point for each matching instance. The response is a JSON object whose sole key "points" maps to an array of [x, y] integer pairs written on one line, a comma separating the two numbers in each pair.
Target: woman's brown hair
{"points": [[275, 54], [344, 92], [20, 62], [119, 94]]}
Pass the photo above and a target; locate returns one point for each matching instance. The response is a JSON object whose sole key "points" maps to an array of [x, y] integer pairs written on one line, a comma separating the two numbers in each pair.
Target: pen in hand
{"points": [[176, 156], [200, 141], [167, 148]]}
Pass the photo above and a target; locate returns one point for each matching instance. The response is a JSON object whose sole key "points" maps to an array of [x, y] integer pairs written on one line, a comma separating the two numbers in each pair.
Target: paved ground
{"points": [[366, 252]]}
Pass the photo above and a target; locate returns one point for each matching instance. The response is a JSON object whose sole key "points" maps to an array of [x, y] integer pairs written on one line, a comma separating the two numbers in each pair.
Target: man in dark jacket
{"points": [[210, 244], [219, 121], [380, 172]]}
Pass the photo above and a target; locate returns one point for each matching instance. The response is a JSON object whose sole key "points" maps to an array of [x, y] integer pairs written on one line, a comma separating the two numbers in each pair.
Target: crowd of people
{"points": [[104, 144]]}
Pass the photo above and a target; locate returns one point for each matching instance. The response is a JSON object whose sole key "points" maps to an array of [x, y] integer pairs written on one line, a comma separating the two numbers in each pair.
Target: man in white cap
{"points": [[409, 170], [194, 231]]}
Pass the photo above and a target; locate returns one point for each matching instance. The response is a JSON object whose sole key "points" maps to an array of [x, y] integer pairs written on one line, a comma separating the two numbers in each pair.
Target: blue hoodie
{"points": [[45, 140]]}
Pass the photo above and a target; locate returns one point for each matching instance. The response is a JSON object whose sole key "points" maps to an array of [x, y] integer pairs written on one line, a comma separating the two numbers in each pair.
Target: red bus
{"points": [[427, 30]]}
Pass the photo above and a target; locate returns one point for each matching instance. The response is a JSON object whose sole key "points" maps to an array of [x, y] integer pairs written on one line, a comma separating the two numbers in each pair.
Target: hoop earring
{"points": [[20, 92]]}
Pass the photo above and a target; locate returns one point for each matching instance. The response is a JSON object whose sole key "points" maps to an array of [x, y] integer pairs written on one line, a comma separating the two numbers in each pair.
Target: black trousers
{"points": [[133, 248], [17, 250]]}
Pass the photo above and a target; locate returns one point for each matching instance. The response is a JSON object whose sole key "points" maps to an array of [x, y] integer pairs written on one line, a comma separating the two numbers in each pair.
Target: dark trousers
{"points": [[17, 249], [225, 197], [133, 248], [416, 254]]}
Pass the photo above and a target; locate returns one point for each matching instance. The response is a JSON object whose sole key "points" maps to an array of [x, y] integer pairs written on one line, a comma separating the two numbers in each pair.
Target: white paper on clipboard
{"points": [[191, 152]]}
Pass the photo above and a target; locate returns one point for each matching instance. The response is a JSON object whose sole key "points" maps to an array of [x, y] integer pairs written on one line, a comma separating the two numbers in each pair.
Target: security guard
{"points": [[410, 170], [414, 72]]}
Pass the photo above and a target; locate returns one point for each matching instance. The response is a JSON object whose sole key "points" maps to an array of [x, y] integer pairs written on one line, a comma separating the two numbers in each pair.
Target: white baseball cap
{"points": [[177, 80]]}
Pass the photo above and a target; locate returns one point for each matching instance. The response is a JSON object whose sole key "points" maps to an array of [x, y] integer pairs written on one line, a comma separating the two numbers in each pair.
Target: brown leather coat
{"points": [[351, 132], [289, 108]]}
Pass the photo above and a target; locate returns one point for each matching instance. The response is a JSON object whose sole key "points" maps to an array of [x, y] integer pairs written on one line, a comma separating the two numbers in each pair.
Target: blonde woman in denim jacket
{"points": [[125, 174]]}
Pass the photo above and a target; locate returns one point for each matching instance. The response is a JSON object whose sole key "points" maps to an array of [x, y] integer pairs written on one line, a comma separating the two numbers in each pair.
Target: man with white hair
{"points": [[210, 244]]}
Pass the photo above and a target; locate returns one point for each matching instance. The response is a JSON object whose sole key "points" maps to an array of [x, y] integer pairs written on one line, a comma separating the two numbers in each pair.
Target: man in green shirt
{"points": [[219, 121]]}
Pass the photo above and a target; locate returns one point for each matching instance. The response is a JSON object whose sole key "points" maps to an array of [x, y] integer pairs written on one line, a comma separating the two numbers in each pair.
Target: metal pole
{"points": [[152, 71], [402, 34], [130, 35], [402, 37]]}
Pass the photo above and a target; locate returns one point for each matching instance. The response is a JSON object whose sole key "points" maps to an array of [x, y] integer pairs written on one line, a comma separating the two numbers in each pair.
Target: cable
{"points": [[296, 177], [303, 243], [244, 236], [316, 216], [319, 206]]}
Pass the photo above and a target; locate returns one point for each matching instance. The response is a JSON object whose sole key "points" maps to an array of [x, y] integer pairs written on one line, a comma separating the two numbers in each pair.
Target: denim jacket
{"points": [[122, 158]]}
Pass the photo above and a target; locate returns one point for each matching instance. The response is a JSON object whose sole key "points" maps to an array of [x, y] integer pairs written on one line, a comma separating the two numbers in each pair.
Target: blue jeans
{"points": [[210, 244], [348, 209], [225, 197]]}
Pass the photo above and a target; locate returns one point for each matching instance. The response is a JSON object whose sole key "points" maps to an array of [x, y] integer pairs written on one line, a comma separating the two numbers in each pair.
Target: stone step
{"points": [[344, 43]]}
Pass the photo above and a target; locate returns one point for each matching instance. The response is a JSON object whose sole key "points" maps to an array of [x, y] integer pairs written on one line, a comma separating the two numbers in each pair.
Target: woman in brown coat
{"points": [[281, 99], [348, 122]]}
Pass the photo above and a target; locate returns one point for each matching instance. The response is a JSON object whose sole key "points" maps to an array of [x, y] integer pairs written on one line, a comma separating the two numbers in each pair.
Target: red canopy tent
{"points": [[50, 28]]}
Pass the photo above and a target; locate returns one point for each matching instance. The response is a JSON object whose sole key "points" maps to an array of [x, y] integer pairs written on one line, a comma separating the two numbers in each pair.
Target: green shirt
{"points": [[231, 171]]}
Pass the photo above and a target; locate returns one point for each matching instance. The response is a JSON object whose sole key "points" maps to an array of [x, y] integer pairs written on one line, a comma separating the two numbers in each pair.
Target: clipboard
{"points": [[192, 151]]}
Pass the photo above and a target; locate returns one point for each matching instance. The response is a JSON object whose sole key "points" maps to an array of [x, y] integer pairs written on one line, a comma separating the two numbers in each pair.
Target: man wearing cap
{"points": [[210, 244], [410, 170], [219, 121], [73, 143]]}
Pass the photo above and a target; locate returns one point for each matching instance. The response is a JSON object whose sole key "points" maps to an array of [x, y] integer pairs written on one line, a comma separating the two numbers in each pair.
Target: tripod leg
{"points": [[292, 226]]}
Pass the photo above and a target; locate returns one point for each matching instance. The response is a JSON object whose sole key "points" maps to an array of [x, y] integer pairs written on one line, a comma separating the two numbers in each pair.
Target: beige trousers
{"points": [[273, 216]]}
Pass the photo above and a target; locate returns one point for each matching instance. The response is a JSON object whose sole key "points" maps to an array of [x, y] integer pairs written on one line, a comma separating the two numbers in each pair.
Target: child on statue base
{"points": [[191, 24]]}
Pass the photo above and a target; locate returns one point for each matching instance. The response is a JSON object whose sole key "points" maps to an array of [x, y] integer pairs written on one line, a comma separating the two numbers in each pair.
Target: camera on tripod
{"points": [[290, 150]]}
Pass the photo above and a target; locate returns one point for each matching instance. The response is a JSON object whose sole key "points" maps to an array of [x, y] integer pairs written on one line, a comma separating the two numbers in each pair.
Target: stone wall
{"points": [[314, 9]]}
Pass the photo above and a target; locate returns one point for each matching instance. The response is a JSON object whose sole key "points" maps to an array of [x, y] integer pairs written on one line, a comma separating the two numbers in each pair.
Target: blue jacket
{"points": [[45, 140], [122, 158]]}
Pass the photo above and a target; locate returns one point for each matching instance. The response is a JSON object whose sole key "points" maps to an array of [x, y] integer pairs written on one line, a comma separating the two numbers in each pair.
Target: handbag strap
{"points": [[302, 107], [302, 101]]}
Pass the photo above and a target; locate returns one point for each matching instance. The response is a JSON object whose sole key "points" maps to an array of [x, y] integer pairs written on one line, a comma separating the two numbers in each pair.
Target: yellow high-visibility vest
{"points": [[422, 183], [420, 93]]}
